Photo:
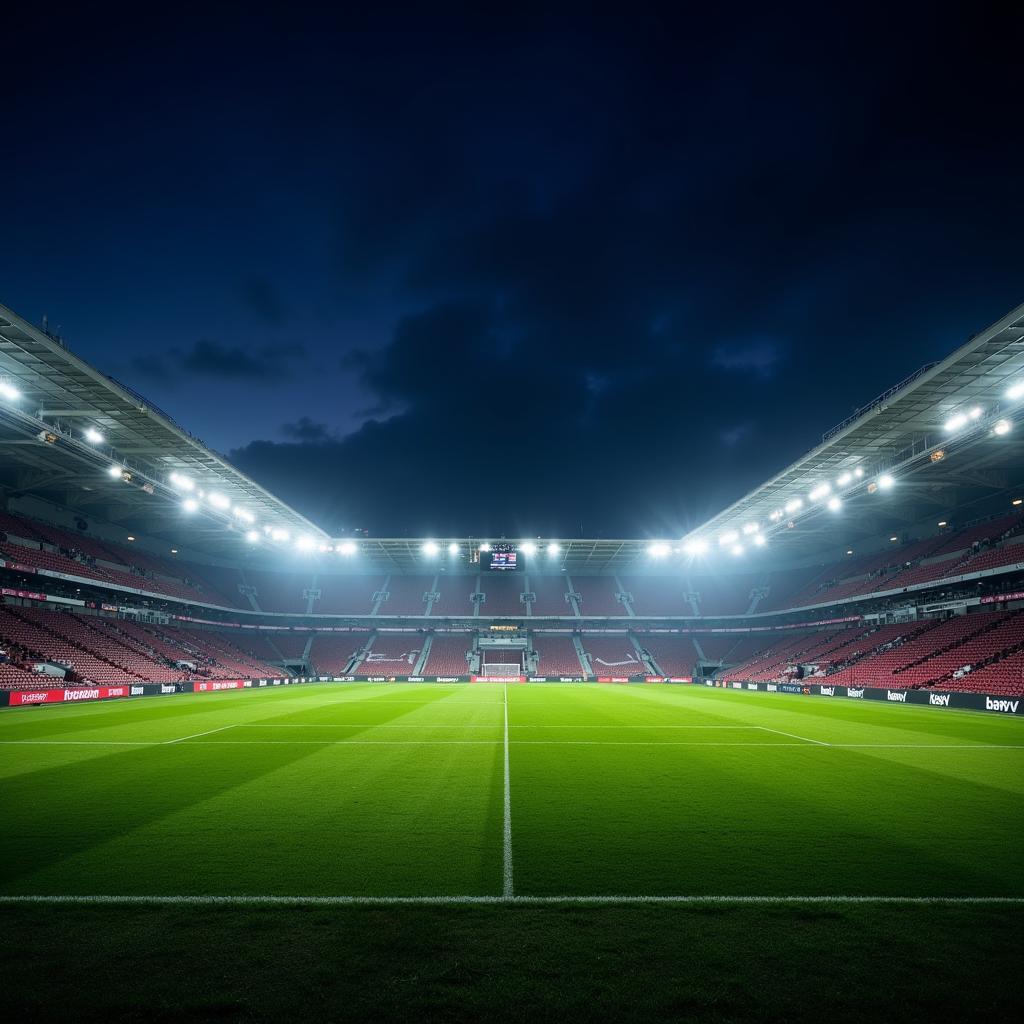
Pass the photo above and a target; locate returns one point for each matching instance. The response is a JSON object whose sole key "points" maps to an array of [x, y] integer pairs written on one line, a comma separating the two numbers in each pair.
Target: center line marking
{"points": [[506, 873]]}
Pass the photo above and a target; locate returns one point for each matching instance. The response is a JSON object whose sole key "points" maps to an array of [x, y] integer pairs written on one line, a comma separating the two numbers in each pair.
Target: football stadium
{"points": [[774, 767]]}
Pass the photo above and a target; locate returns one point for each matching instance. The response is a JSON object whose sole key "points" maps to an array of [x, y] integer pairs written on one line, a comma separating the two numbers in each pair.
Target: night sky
{"points": [[521, 274]]}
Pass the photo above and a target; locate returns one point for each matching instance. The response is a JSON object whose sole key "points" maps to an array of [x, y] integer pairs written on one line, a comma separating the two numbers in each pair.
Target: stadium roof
{"points": [[43, 435]]}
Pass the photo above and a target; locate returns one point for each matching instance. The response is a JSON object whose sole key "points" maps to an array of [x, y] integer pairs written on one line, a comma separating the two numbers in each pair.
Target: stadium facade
{"points": [[887, 561]]}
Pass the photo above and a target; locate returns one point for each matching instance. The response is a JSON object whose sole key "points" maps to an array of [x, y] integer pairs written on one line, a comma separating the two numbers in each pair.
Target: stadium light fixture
{"points": [[850, 551], [834, 504], [1002, 428], [794, 505], [190, 505], [253, 536], [737, 549], [219, 501], [1017, 501], [727, 538], [114, 472], [885, 481], [975, 413], [760, 540], [347, 547], [528, 548], [1014, 392], [9, 391], [659, 549], [776, 515], [819, 492], [453, 549], [695, 546], [93, 436], [749, 528], [280, 534], [244, 514], [942, 522], [305, 543], [182, 482], [894, 539], [430, 548], [554, 549], [130, 537], [174, 551], [844, 479], [485, 546], [858, 472]]}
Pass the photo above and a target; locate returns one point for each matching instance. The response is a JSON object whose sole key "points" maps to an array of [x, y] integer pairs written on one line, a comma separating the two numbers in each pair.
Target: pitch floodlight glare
{"points": [[696, 546], [183, 482], [430, 548], [554, 549], [834, 504], [347, 547], [760, 540], [1013, 393], [253, 536], [485, 546], [305, 543], [9, 391], [280, 534], [528, 547], [885, 481], [93, 436], [190, 504], [957, 421], [658, 550], [114, 472], [858, 472], [244, 514], [975, 413], [453, 548], [219, 501], [819, 492], [737, 549], [750, 528], [794, 505], [776, 515], [1002, 427], [727, 538], [844, 479]]}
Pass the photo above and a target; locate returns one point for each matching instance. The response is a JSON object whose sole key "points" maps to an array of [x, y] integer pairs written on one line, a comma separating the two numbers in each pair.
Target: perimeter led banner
{"points": [[68, 695], [212, 685]]}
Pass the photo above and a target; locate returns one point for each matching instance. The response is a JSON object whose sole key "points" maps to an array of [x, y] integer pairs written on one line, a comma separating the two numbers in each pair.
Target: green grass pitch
{"points": [[510, 800]]}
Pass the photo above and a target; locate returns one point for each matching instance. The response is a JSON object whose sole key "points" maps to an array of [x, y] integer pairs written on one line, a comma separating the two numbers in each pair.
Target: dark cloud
{"points": [[306, 430], [210, 359]]}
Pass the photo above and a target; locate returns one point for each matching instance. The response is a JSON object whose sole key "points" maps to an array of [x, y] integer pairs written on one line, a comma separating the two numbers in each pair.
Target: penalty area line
{"points": [[611, 900]]}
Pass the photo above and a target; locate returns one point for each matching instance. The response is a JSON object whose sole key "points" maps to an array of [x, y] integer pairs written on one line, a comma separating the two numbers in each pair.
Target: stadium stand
{"points": [[347, 595], [332, 653], [390, 655], [673, 655], [454, 595], [406, 595], [612, 656], [501, 594], [551, 595], [447, 655], [597, 595], [280, 592], [658, 595], [556, 655]]}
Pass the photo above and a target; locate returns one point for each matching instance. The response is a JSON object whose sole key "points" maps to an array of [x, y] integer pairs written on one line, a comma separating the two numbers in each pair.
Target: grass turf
{"points": [[369, 790]]}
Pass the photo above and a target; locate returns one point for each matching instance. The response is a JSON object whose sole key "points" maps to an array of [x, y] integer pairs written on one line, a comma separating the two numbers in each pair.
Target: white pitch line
{"points": [[506, 865], [372, 901], [522, 743], [793, 736], [195, 735]]}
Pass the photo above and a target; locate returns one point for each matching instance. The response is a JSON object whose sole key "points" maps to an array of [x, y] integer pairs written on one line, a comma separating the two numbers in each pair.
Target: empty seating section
{"points": [[674, 655], [613, 656], [220, 582], [405, 595], [597, 595], [221, 651], [1011, 554], [258, 645], [391, 655], [556, 656], [501, 594], [1005, 677], [725, 594], [993, 530], [347, 595], [454, 595], [447, 655], [986, 636], [658, 595], [280, 592], [771, 661], [786, 587], [291, 645], [551, 595], [332, 652], [716, 646]]}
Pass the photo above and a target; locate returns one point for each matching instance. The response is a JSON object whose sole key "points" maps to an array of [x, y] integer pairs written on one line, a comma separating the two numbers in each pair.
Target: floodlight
{"points": [[776, 515], [942, 522], [659, 549], [453, 548], [794, 505], [528, 547], [844, 479], [244, 514], [850, 552], [93, 436], [114, 472], [737, 549], [347, 547], [253, 536], [324, 548], [9, 391], [1013, 393], [957, 421], [554, 549], [750, 528], [975, 413], [278, 533], [834, 504], [182, 482], [485, 546], [819, 492], [305, 543], [696, 546], [729, 537], [885, 481], [430, 548], [190, 504], [129, 537], [760, 540], [858, 472], [1002, 427], [219, 501]]}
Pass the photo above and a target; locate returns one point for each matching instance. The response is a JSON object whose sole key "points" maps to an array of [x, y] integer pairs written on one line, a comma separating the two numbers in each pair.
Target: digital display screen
{"points": [[503, 560]]}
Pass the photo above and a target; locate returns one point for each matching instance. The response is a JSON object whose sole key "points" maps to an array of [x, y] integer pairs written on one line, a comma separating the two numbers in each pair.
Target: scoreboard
{"points": [[501, 558]]}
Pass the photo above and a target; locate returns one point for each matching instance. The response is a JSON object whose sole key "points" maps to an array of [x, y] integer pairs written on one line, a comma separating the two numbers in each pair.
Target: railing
{"points": [[875, 402]]}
